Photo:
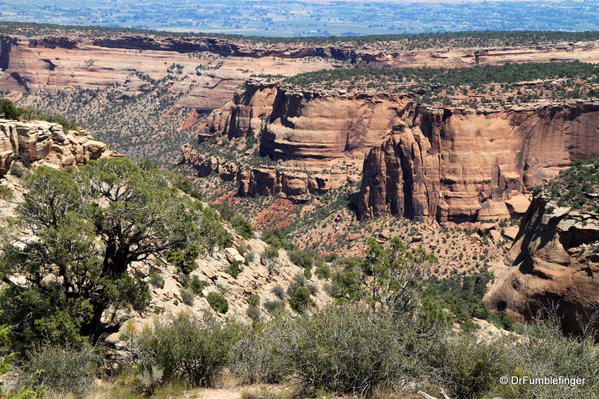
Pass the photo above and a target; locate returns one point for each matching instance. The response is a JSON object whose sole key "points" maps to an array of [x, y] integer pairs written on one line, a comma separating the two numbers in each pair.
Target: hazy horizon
{"points": [[311, 17]]}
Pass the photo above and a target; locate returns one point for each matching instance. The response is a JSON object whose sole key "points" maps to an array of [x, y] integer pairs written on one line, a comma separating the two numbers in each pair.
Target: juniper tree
{"points": [[67, 256]]}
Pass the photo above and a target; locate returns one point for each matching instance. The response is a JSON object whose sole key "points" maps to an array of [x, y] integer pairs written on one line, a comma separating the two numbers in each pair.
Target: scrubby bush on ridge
{"points": [[62, 370], [218, 302], [193, 351]]}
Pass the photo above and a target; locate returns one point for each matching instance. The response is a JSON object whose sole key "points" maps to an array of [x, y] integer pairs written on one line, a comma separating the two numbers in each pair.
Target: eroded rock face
{"points": [[287, 184], [43, 143], [553, 266], [255, 181], [209, 70], [453, 165], [462, 166], [307, 125], [89, 59]]}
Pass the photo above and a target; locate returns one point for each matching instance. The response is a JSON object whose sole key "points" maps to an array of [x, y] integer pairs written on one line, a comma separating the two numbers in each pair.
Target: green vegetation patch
{"points": [[415, 77], [470, 86], [10, 111], [577, 187]]}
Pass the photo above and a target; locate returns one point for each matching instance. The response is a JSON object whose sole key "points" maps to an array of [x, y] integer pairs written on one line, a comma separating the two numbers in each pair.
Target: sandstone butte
{"points": [[449, 164]]}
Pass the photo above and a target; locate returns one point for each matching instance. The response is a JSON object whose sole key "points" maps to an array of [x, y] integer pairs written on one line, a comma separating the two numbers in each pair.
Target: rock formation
{"points": [[35, 58], [254, 181], [553, 265], [37, 142], [449, 164], [457, 165]]}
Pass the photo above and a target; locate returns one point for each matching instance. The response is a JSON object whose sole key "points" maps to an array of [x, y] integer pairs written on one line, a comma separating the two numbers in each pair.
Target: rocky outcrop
{"points": [[287, 184], [207, 70], [6, 43], [463, 165], [248, 112], [553, 266], [255, 181], [37, 142], [224, 47]]}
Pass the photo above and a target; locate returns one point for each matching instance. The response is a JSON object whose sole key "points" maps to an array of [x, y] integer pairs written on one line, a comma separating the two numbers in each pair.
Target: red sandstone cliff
{"points": [[453, 165], [457, 166], [33, 59]]}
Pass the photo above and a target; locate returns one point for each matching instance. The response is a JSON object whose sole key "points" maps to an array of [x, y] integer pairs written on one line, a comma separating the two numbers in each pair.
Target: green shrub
{"points": [[258, 354], [301, 257], [463, 297], [308, 273], [254, 313], [157, 280], [249, 257], [17, 170], [242, 226], [215, 233], [279, 291], [469, 367], [332, 257], [187, 297], [8, 110], [323, 271], [548, 352], [148, 380], [62, 370], [218, 302], [185, 259], [197, 285], [271, 252], [190, 350], [254, 299], [299, 294], [347, 349], [274, 238], [234, 269], [30, 113], [274, 307], [5, 193], [225, 211]]}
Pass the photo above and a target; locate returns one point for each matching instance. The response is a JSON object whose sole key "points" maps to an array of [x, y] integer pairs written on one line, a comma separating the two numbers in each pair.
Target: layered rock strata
{"points": [[449, 164], [214, 67], [457, 165], [37, 142], [269, 180]]}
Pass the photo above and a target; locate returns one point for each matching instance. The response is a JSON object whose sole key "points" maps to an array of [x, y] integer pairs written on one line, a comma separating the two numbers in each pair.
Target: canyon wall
{"points": [[449, 164], [43, 143], [213, 67], [307, 125], [208, 70], [286, 182]]}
